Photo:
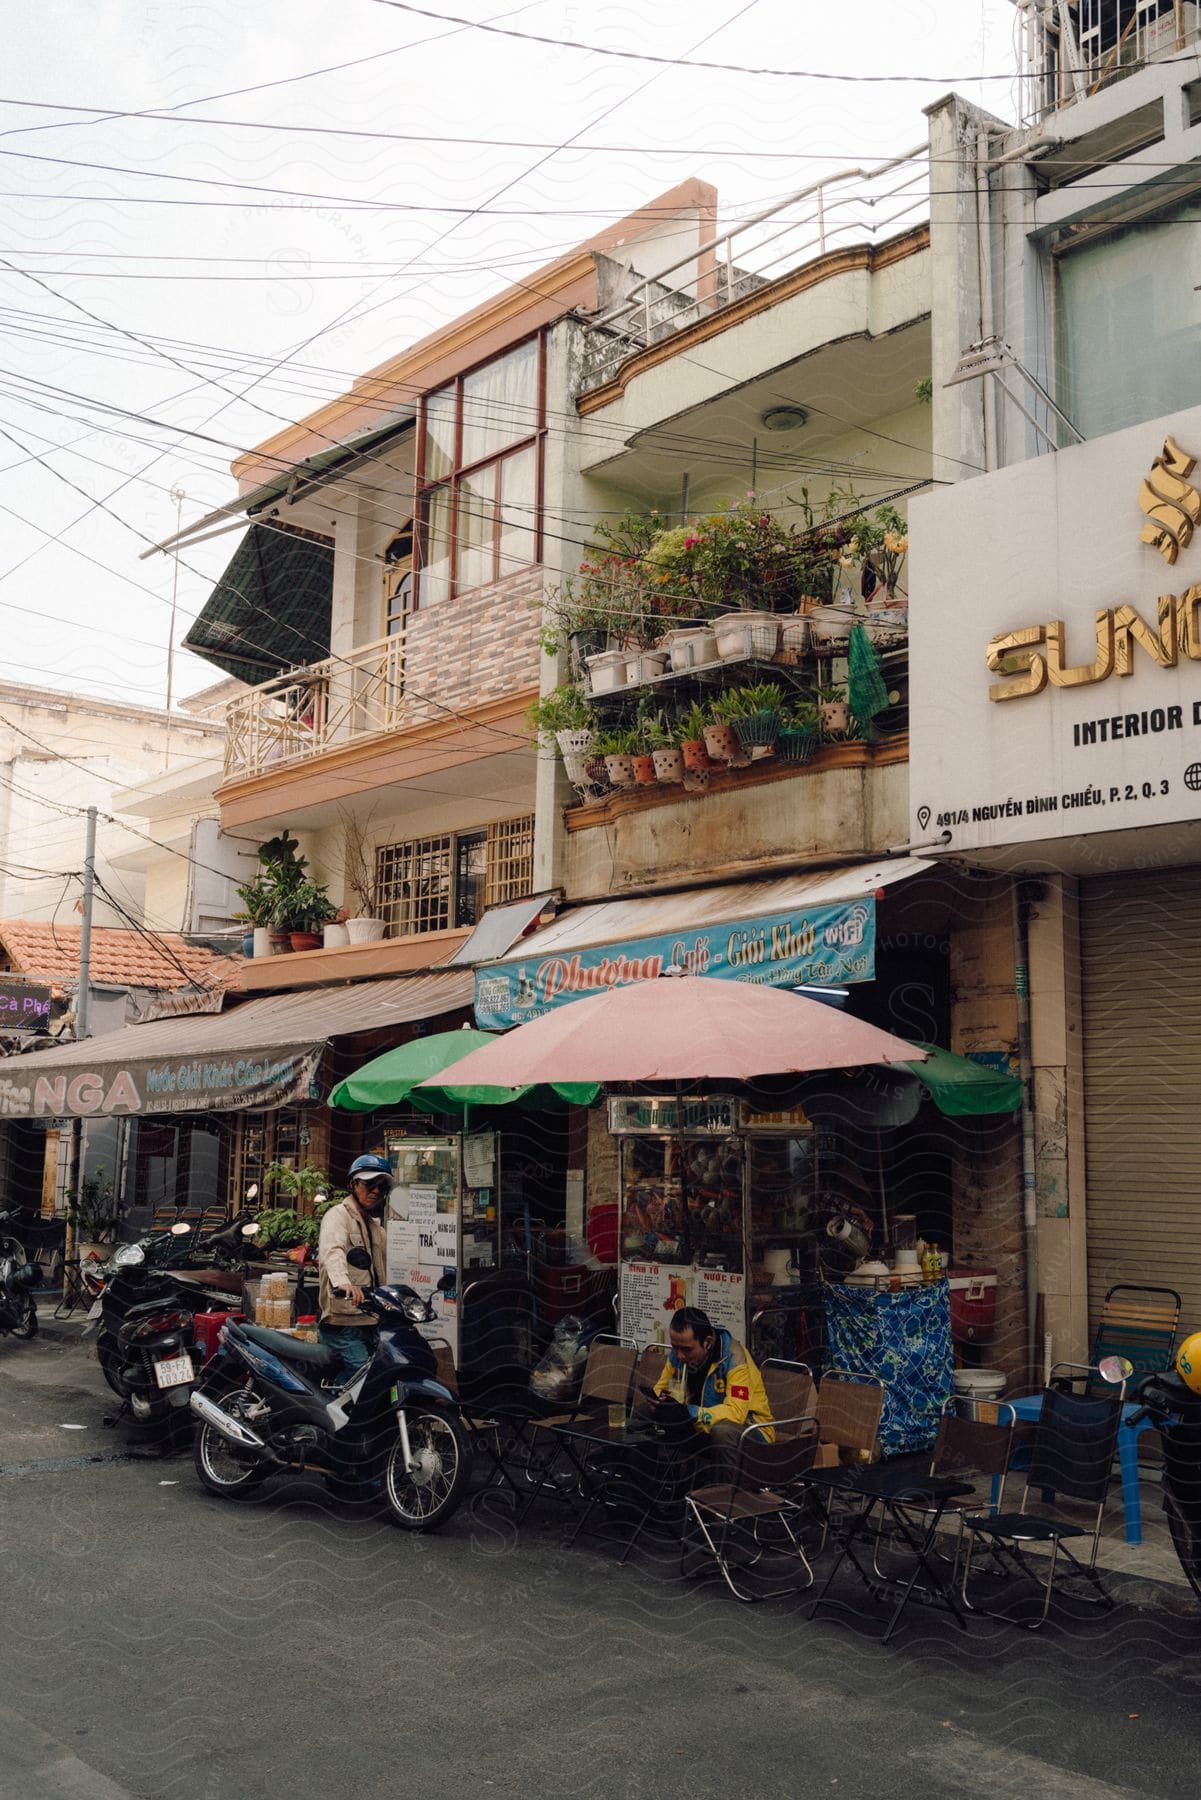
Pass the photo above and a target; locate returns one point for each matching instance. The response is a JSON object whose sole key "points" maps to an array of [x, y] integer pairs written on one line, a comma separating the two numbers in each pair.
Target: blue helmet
{"points": [[364, 1167]]}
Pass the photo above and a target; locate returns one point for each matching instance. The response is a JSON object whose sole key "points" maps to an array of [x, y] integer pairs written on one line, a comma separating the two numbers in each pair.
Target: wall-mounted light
{"points": [[784, 418]]}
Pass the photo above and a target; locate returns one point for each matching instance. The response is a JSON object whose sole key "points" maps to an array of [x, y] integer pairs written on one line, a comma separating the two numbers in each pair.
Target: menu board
{"points": [[651, 1292]]}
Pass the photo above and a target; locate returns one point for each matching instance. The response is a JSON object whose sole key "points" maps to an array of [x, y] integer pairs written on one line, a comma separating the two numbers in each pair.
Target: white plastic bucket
{"points": [[974, 1386]]}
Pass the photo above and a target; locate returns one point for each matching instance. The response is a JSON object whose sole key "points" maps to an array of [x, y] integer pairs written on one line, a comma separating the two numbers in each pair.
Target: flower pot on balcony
{"points": [[796, 746], [606, 671], [697, 760], [248, 943], [620, 770], [305, 940], [644, 665], [281, 943], [364, 930], [573, 743], [334, 936], [644, 770], [757, 729], [830, 626], [262, 941], [723, 746], [835, 715], [747, 634], [669, 765], [691, 649]]}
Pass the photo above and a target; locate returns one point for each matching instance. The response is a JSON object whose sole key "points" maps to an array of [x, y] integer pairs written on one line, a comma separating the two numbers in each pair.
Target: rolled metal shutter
{"points": [[1141, 977]]}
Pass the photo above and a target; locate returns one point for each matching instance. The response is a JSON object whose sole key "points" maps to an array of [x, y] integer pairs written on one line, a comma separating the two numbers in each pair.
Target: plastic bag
{"points": [[556, 1375]]}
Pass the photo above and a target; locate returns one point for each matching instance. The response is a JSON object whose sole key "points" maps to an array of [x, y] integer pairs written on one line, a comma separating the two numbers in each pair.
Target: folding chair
{"points": [[729, 1513], [1140, 1324], [849, 1409], [975, 1448], [608, 1379], [650, 1367], [483, 1432], [1072, 1455], [789, 1388]]}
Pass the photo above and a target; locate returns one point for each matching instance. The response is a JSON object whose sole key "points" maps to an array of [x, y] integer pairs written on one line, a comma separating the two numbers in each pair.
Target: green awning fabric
{"points": [[962, 1088], [270, 610], [391, 1080]]}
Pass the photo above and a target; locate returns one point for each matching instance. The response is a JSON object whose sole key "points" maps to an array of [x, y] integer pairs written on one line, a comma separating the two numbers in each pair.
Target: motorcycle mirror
{"points": [[358, 1258], [251, 1230], [252, 1192], [1115, 1369], [181, 1230], [448, 1281], [320, 1197]]}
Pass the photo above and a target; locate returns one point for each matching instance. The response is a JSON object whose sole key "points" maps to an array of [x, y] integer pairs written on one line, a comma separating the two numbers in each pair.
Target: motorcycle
{"points": [[145, 1342], [1175, 1411], [18, 1308], [263, 1410]]}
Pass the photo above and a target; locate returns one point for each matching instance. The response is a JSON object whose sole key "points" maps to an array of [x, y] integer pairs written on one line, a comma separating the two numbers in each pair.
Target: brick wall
{"points": [[476, 648]]}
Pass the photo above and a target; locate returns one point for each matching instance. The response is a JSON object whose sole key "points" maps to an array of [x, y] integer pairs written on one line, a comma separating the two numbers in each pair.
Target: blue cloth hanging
{"points": [[905, 1339]]}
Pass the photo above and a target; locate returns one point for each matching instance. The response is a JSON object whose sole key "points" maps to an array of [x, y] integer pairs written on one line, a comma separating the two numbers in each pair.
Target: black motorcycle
{"points": [[18, 1308], [1175, 1411], [263, 1409]]}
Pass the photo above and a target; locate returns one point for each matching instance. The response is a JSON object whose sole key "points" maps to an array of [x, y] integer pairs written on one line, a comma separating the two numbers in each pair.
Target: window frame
{"points": [[459, 471], [496, 837]]}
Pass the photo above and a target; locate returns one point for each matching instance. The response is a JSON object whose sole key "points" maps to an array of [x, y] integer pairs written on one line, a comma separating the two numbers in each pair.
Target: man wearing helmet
{"points": [[354, 1224]]}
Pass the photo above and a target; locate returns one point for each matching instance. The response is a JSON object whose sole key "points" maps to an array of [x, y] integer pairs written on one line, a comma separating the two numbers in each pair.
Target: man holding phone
{"points": [[712, 1377]]}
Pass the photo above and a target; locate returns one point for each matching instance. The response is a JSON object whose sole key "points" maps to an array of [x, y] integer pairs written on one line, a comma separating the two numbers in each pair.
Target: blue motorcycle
{"points": [[392, 1429]]}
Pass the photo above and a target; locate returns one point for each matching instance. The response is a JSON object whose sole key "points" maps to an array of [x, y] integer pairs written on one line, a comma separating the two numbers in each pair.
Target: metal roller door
{"points": [[1141, 976]]}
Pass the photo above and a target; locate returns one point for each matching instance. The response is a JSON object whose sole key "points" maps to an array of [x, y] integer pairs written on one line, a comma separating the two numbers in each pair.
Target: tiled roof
{"points": [[120, 958]]}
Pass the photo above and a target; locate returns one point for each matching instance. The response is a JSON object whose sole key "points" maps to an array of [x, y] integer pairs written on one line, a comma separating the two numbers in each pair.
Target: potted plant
{"points": [[798, 732], [564, 718], [692, 724], [721, 740], [94, 1215], [334, 933], [833, 709], [282, 872], [363, 926], [301, 911], [662, 739], [617, 746], [756, 714], [887, 617]]}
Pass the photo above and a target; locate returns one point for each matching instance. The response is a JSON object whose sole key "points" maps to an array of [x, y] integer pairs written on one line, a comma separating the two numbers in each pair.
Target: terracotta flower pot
{"points": [[281, 943], [696, 757], [721, 741], [305, 940], [620, 770], [644, 769], [669, 764]]}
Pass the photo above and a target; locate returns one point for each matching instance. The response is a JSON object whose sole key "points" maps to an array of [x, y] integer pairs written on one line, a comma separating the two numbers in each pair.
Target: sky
{"points": [[323, 184]]}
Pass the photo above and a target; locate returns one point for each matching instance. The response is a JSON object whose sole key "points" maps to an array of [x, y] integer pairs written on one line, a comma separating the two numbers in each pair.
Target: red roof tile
{"points": [[120, 958]]}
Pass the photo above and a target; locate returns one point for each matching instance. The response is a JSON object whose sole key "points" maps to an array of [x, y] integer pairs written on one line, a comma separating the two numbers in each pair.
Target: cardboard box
{"points": [[826, 1457]]}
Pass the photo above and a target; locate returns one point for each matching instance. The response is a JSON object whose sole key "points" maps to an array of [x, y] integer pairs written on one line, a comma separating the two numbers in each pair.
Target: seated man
{"points": [[712, 1374]]}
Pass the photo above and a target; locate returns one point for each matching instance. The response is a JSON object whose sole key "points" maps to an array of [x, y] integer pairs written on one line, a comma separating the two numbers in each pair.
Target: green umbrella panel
{"points": [[962, 1088], [391, 1080]]}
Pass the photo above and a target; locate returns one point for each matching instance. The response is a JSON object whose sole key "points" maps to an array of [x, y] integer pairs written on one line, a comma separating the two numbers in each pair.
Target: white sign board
{"points": [[651, 1292], [1089, 718]]}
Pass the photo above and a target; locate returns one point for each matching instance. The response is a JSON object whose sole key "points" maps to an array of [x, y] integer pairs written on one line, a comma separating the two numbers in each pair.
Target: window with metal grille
{"points": [[440, 883], [510, 859]]}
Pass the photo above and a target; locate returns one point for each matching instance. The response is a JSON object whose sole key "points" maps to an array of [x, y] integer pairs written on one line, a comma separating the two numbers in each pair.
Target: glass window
{"points": [[471, 873], [1127, 320], [440, 434], [500, 404], [430, 884], [480, 475]]}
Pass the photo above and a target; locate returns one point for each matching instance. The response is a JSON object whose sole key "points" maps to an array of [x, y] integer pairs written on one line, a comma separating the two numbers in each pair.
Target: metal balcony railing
{"points": [[839, 209], [308, 711], [1071, 52]]}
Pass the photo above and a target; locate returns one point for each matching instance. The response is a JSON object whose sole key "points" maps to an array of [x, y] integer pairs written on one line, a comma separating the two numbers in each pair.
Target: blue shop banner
{"points": [[827, 945]]}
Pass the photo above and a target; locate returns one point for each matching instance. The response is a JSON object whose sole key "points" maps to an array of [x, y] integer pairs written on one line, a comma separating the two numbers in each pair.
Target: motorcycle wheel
{"points": [[220, 1468], [109, 1358], [421, 1498], [1187, 1546], [28, 1325]]}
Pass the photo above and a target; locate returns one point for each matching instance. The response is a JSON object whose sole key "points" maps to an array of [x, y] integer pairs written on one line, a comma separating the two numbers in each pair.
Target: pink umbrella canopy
{"points": [[682, 1028]]}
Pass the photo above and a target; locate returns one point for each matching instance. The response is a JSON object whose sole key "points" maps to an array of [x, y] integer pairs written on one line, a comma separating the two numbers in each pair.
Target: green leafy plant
{"points": [[801, 715], [754, 697], [284, 1227], [95, 1212], [619, 740], [306, 907], [563, 709], [923, 391], [831, 695], [257, 897], [692, 723]]}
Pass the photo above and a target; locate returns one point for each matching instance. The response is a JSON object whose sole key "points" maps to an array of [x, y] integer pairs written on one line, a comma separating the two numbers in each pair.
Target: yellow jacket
{"points": [[733, 1390]]}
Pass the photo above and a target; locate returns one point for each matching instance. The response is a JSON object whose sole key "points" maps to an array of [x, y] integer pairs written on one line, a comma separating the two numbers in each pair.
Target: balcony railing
{"points": [[308, 711], [1068, 55], [841, 208]]}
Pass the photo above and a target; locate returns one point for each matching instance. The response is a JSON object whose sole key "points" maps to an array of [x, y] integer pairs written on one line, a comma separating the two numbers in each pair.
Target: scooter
{"points": [[145, 1341], [263, 1410], [18, 1308], [1175, 1410]]}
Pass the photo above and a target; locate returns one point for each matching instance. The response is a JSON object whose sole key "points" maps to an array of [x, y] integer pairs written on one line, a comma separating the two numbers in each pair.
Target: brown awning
{"points": [[262, 1053]]}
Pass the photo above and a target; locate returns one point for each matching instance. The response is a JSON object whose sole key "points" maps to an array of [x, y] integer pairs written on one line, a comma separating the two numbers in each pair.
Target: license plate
{"points": [[173, 1370], [95, 1309]]}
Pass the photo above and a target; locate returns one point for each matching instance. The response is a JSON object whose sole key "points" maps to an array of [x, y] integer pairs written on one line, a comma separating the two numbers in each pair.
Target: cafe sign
{"points": [[199, 1084], [24, 1005], [1055, 682], [820, 945]]}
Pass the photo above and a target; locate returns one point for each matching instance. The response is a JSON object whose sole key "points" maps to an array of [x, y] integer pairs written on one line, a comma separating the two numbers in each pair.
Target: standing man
{"points": [[355, 1223], [713, 1375]]}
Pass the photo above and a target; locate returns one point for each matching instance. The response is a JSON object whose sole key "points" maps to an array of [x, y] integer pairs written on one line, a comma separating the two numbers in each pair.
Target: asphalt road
{"points": [[159, 1642]]}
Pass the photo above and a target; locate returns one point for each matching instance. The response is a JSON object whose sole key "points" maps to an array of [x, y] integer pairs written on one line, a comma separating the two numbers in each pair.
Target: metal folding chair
{"points": [[1071, 1455], [731, 1517]]}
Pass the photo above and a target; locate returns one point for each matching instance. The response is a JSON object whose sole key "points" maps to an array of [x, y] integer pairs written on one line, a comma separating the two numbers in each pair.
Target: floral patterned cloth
{"points": [[905, 1339]]}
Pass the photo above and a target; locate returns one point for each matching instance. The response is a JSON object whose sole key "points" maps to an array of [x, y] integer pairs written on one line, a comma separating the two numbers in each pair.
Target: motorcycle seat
{"points": [[314, 1356]]}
